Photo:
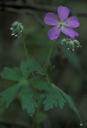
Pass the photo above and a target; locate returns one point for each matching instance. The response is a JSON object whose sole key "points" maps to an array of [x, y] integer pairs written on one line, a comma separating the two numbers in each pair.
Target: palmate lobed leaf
{"points": [[40, 84], [52, 96], [53, 99], [10, 74], [27, 100], [29, 66], [26, 68], [7, 96], [26, 96], [69, 101]]}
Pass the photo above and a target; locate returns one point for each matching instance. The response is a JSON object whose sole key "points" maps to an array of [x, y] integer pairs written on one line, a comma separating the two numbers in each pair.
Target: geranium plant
{"points": [[32, 84]]}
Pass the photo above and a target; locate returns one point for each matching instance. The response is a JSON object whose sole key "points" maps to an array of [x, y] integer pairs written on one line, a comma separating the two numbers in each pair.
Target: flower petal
{"points": [[72, 22], [51, 19], [54, 33], [70, 32], [63, 12]]}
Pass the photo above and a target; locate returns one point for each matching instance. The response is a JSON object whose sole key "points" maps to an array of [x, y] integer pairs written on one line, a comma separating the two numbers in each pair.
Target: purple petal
{"points": [[63, 12], [51, 19], [72, 22], [54, 33], [70, 32]]}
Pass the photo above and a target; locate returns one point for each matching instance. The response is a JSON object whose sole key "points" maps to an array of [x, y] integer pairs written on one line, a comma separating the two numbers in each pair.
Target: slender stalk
{"points": [[26, 51], [49, 55], [35, 123]]}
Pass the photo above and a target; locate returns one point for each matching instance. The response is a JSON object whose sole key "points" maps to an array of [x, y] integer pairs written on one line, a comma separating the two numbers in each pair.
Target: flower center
{"points": [[61, 24]]}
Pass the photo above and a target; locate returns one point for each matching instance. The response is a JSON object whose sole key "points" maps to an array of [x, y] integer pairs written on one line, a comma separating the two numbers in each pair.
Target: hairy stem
{"points": [[49, 55]]}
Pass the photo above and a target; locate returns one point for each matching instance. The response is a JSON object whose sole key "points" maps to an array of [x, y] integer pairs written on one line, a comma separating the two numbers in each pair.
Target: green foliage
{"points": [[7, 96], [40, 84], [27, 100], [26, 68], [33, 92], [69, 100], [26, 95], [29, 66], [53, 98], [10, 74]]}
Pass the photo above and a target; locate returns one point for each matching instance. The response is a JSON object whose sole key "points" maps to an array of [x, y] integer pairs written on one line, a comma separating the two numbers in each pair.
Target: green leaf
{"points": [[10, 74], [69, 101], [53, 99], [29, 66], [56, 97], [7, 96], [27, 100], [40, 84]]}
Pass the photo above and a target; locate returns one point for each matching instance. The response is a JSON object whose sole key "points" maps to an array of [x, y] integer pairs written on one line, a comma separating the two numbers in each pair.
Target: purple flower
{"points": [[61, 22]]}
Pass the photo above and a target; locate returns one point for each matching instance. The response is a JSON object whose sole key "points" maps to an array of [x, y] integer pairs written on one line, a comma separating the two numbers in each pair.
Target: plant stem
{"points": [[35, 123], [49, 55], [26, 51]]}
